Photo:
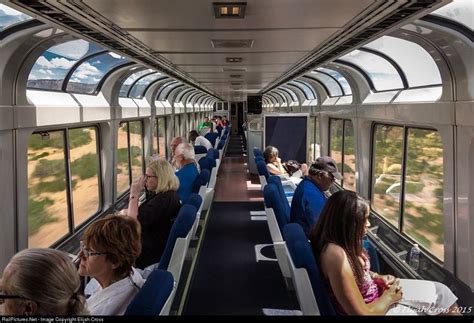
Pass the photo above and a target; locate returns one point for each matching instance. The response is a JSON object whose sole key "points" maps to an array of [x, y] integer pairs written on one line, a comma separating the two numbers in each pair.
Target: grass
{"points": [[37, 215], [85, 167], [46, 168], [54, 186], [43, 154]]}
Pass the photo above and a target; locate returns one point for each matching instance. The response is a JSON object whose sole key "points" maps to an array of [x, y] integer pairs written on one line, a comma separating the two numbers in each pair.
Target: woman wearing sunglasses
{"points": [[41, 282], [108, 251]]}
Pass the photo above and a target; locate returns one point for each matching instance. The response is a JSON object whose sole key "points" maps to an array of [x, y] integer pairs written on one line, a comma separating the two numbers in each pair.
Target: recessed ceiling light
{"points": [[233, 59], [229, 9]]}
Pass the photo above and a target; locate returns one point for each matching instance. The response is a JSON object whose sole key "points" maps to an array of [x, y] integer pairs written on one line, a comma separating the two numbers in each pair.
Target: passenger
{"points": [[275, 166], [173, 144], [187, 172], [41, 282], [205, 127], [157, 213], [108, 251], [354, 289], [309, 199], [224, 121], [197, 140]]}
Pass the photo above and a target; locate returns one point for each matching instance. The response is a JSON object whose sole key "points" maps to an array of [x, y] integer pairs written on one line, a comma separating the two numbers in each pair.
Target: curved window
{"points": [[291, 92], [460, 11], [52, 66], [418, 66], [306, 88], [340, 79], [331, 85], [383, 74], [10, 17], [86, 77], [141, 85], [130, 80], [165, 89]]}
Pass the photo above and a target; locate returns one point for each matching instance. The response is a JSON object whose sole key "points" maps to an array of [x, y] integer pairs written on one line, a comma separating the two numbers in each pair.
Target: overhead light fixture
{"points": [[229, 9], [233, 59], [235, 76]]}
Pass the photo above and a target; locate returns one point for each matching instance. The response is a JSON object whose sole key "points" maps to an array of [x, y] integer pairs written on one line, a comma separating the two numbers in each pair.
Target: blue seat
{"points": [[211, 136], [279, 204], [257, 152], [226, 131], [259, 158], [219, 130], [284, 193], [207, 163], [201, 180], [180, 229], [262, 169], [220, 145], [374, 258], [302, 256], [153, 295], [213, 153], [195, 200], [200, 149]]}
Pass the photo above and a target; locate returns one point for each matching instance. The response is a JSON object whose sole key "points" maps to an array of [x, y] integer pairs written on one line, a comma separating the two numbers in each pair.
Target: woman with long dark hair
{"points": [[354, 289]]}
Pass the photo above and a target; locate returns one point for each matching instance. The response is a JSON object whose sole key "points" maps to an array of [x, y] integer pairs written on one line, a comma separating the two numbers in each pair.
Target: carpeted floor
{"points": [[227, 279]]}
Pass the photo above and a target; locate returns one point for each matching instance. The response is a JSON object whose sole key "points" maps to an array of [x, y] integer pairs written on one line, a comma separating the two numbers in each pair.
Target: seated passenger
{"points": [[109, 248], [197, 140], [157, 213], [206, 126], [224, 121], [187, 170], [309, 199], [173, 144], [275, 166], [354, 289], [41, 282]]}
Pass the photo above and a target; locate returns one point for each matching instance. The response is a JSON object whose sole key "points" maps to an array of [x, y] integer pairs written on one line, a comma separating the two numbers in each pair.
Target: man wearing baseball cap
{"points": [[309, 198]]}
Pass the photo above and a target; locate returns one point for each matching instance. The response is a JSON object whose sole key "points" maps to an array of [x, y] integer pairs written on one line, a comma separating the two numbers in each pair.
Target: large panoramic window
{"points": [[407, 189], [138, 89], [130, 80], [383, 75], [86, 77], [52, 170], [10, 17], [53, 65], [461, 11], [329, 83]]}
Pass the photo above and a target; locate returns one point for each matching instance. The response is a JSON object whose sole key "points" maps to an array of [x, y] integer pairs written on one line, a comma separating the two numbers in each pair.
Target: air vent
{"points": [[227, 69], [233, 59], [229, 9], [235, 76], [235, 83], [232, 43]]}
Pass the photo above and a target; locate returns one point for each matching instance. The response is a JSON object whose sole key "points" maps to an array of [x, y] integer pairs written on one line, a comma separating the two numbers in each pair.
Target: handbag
{"points": [[292, 166]]}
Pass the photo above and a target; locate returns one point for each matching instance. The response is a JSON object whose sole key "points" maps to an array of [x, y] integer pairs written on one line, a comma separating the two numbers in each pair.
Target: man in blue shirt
{"points": [[187, 169], [309, 198]]}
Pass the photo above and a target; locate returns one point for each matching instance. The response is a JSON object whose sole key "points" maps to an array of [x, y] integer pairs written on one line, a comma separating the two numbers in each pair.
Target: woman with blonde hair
{"points": [[41, 282], [108, 251], [157, 213]]}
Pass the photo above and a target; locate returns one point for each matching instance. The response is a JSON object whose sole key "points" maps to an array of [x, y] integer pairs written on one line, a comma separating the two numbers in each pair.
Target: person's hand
{"points": [[137, 187], [394, 292], [278, 160], [385, 280]]}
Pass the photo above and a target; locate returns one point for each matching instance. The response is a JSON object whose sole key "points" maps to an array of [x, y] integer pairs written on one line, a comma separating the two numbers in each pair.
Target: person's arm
{"points": [[274, 170], [135, 191], [385, 280], [335, 264]]}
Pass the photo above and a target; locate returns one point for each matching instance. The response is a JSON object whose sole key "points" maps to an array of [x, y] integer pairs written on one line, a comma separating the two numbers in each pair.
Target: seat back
{"points": [[302, 256], [154, 294], [201, 180], [178, 241], [207, 163], [213, 153], [273, 199], [257, 152], [200, 149], [284, 194], [197, 201], [211, 136]]}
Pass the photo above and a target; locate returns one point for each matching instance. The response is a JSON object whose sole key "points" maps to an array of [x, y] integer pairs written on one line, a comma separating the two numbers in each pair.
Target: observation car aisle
{"points": [[227, 278]]}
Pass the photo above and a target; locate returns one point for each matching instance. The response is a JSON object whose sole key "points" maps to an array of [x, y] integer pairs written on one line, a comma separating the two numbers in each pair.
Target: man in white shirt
{"points": [[198, 140]]}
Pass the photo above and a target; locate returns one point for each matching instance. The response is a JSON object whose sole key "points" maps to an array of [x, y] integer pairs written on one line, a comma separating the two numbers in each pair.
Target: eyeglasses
{"points": [[3, 297], [148, 176], [87, 252]]}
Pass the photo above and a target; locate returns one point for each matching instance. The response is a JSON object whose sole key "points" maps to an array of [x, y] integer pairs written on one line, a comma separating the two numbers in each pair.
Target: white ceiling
{"points": [[283, 32]]}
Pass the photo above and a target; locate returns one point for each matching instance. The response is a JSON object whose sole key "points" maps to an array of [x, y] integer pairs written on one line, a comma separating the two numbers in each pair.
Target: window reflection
{"points": [[123, 180]]}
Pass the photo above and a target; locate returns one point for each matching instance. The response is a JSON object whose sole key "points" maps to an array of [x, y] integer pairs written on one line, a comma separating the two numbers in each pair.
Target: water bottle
{"points": [[415, 257]]}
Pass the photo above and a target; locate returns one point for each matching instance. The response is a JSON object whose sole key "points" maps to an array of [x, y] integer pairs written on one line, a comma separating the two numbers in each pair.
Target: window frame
{"points": [[72, 227], [341, 171], [381, 217]]}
